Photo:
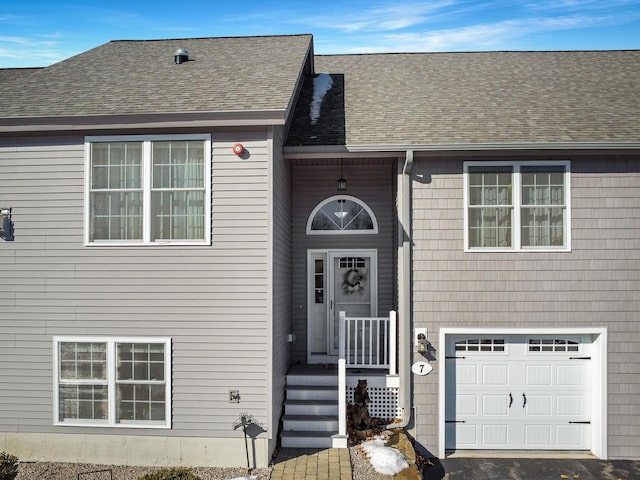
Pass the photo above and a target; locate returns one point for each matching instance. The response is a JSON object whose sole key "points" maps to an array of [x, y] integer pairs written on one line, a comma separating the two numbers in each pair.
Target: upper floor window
{"points": [[341, 214], [517, 206], [113, 382], [148, 190]]}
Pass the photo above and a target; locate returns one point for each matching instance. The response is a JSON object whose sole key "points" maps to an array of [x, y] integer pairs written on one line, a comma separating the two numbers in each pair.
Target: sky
{"points": [[36, 33]]}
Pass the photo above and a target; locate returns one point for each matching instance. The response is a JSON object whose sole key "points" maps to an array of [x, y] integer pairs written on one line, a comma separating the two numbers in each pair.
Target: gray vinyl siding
{"points": [[597, 284], [282, 249], [373, 183], [212, 301]]}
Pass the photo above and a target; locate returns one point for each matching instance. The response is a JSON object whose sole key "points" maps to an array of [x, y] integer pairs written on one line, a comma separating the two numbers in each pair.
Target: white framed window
{"points": [[516, 206], [148, 190], [114, 382], [342, 214]]}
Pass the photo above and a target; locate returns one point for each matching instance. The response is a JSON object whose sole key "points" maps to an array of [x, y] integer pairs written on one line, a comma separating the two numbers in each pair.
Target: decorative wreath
{"points": [[353, 281]]}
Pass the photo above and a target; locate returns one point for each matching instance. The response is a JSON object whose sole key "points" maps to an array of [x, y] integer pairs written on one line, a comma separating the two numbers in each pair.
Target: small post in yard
{"points": [[244, 420]]}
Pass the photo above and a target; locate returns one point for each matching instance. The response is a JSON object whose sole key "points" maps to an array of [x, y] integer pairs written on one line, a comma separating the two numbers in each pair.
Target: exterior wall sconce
{"points": [[342, 183], [6, 225], [421, 343]]}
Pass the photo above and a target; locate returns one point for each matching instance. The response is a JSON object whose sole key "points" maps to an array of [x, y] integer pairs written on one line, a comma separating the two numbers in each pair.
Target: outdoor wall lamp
{"points": [[421, 343], [6, 225]]}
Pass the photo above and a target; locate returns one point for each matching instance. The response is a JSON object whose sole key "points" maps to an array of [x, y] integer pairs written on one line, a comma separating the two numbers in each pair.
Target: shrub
{"points": [[8, 466], [170, 474]]}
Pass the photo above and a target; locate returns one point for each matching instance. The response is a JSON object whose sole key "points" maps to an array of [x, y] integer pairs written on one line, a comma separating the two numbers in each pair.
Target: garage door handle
{"points": [[524, 398], [510, 399]]}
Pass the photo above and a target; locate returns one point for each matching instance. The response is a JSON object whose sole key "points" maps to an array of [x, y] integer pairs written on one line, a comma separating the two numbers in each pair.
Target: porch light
{"points": [[342, 183], [421, 343]]}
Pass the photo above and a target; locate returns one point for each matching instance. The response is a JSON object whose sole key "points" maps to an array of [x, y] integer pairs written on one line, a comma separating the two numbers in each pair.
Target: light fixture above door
{"points": [[342, 183]]}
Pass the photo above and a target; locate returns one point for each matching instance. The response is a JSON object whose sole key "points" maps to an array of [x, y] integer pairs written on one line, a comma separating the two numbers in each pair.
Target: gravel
{"points": [[361, 467], [361, 470], [70, 471]]}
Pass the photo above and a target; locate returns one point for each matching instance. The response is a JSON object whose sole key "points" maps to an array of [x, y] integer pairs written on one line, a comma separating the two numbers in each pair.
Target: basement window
{"points": [[120, 382]]}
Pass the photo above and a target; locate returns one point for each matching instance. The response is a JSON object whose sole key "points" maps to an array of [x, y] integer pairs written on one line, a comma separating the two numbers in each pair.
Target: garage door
{"points": [[518, 392]]}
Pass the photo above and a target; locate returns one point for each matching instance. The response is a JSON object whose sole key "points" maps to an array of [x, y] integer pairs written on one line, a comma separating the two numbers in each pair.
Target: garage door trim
{"points": [[599, 357]]}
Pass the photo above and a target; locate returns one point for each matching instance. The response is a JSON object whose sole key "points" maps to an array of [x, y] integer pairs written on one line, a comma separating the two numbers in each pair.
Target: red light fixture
{"points": [[238, 149]]}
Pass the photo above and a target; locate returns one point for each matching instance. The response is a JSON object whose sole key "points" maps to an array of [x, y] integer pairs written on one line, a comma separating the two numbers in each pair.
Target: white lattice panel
{"points": [[383, 404]]}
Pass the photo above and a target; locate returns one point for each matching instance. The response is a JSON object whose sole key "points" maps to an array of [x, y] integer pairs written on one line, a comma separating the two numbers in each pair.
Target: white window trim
{"points": [[111, 382], [516, 200], [318, 207], [146, 180]]}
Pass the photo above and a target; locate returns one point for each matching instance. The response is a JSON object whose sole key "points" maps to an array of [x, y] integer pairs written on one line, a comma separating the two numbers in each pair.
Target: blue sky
{"points": [[38, 33]]}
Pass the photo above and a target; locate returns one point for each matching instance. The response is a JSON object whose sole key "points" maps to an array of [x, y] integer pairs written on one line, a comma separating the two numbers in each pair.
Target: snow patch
{"points": [[383, 459], [322, 83]]}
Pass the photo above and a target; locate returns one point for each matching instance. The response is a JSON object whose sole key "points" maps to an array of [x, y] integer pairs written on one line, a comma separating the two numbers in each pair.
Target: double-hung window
{"points": [[517, 206], [148, 190], [113, 382]]}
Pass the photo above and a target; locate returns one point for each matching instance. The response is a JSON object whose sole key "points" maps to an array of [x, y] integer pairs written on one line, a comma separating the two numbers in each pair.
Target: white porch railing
{"points": [[364, 343]]}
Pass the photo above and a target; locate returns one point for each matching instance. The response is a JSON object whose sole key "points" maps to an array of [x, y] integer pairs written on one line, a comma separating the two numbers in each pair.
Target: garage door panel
{"points": [[466, 374], [538, 436], [518, 395], [571, 405], [539, 375], [462, 436], [495, 436], [572, 436], [497, 375], [539, 406], [570, 375], [495, 405], [467, 405]]}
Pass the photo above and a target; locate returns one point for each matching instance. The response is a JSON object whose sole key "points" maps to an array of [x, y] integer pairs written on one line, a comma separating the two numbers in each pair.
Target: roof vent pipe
{"points": [[181, 56]]}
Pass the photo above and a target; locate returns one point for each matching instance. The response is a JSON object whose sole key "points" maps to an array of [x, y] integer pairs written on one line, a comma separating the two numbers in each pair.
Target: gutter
{"points": [[404, 289], [238, 118]]}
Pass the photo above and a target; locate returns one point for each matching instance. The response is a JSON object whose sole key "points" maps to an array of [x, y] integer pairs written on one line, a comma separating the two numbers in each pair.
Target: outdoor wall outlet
{"points": [[234, 396], [291, 338]]}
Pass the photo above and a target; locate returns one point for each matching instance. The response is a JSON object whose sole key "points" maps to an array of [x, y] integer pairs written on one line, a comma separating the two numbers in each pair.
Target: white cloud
{"points": [[474, 37]]}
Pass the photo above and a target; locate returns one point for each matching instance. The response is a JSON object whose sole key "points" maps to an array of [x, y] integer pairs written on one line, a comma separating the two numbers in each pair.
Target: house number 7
{"points": [[421, 368]]}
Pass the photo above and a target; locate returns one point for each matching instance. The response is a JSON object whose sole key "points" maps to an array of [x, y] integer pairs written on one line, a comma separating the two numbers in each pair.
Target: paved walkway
{"points": [[312, 464]]}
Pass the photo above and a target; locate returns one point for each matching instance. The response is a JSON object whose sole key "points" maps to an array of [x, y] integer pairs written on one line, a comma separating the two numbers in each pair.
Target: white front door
{"points": [[518, 392], [343, 280]]}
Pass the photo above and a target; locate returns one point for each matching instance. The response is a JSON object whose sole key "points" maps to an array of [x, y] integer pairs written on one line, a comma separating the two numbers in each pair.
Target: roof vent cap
{"points": [[181, 56]]}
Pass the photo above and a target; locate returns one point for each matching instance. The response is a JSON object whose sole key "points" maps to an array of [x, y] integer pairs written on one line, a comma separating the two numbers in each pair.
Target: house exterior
{"points": [[187, 231]]}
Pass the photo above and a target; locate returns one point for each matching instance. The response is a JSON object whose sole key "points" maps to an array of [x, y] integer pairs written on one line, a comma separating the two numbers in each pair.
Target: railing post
{"points": [[342, 378], [393, 328]]}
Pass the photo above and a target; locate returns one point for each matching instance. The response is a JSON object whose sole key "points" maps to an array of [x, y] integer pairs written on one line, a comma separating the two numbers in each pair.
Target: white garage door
{"points": [[518, 392]]}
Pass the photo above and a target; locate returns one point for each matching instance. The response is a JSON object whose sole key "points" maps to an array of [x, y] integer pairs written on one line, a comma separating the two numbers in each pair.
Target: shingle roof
{"points": [[475, 98], [140, 77]]}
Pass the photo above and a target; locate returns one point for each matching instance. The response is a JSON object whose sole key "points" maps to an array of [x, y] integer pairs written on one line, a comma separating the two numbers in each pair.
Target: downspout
{"points": [[404, 288]]}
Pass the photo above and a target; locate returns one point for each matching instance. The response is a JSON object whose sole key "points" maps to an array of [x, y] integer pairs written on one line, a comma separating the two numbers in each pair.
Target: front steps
{"points": [[311, 409]]}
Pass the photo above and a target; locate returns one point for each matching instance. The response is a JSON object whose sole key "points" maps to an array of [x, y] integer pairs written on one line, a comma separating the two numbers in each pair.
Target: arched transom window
{"points": [[342, 214]]}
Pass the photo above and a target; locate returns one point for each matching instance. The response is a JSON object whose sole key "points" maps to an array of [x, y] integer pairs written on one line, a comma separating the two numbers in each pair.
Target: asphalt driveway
{"points": [[532, 469]]}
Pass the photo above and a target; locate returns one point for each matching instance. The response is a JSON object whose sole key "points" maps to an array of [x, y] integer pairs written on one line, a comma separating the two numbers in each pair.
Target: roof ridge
{"points": [[212, 38], [466, 52]]}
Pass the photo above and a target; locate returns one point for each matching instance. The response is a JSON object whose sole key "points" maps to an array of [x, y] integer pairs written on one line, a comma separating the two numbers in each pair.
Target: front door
{"points": [[343, 280]]}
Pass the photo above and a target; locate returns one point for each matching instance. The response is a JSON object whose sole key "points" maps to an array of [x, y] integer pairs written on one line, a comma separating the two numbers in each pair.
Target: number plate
{"points": [[421, 368]]}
